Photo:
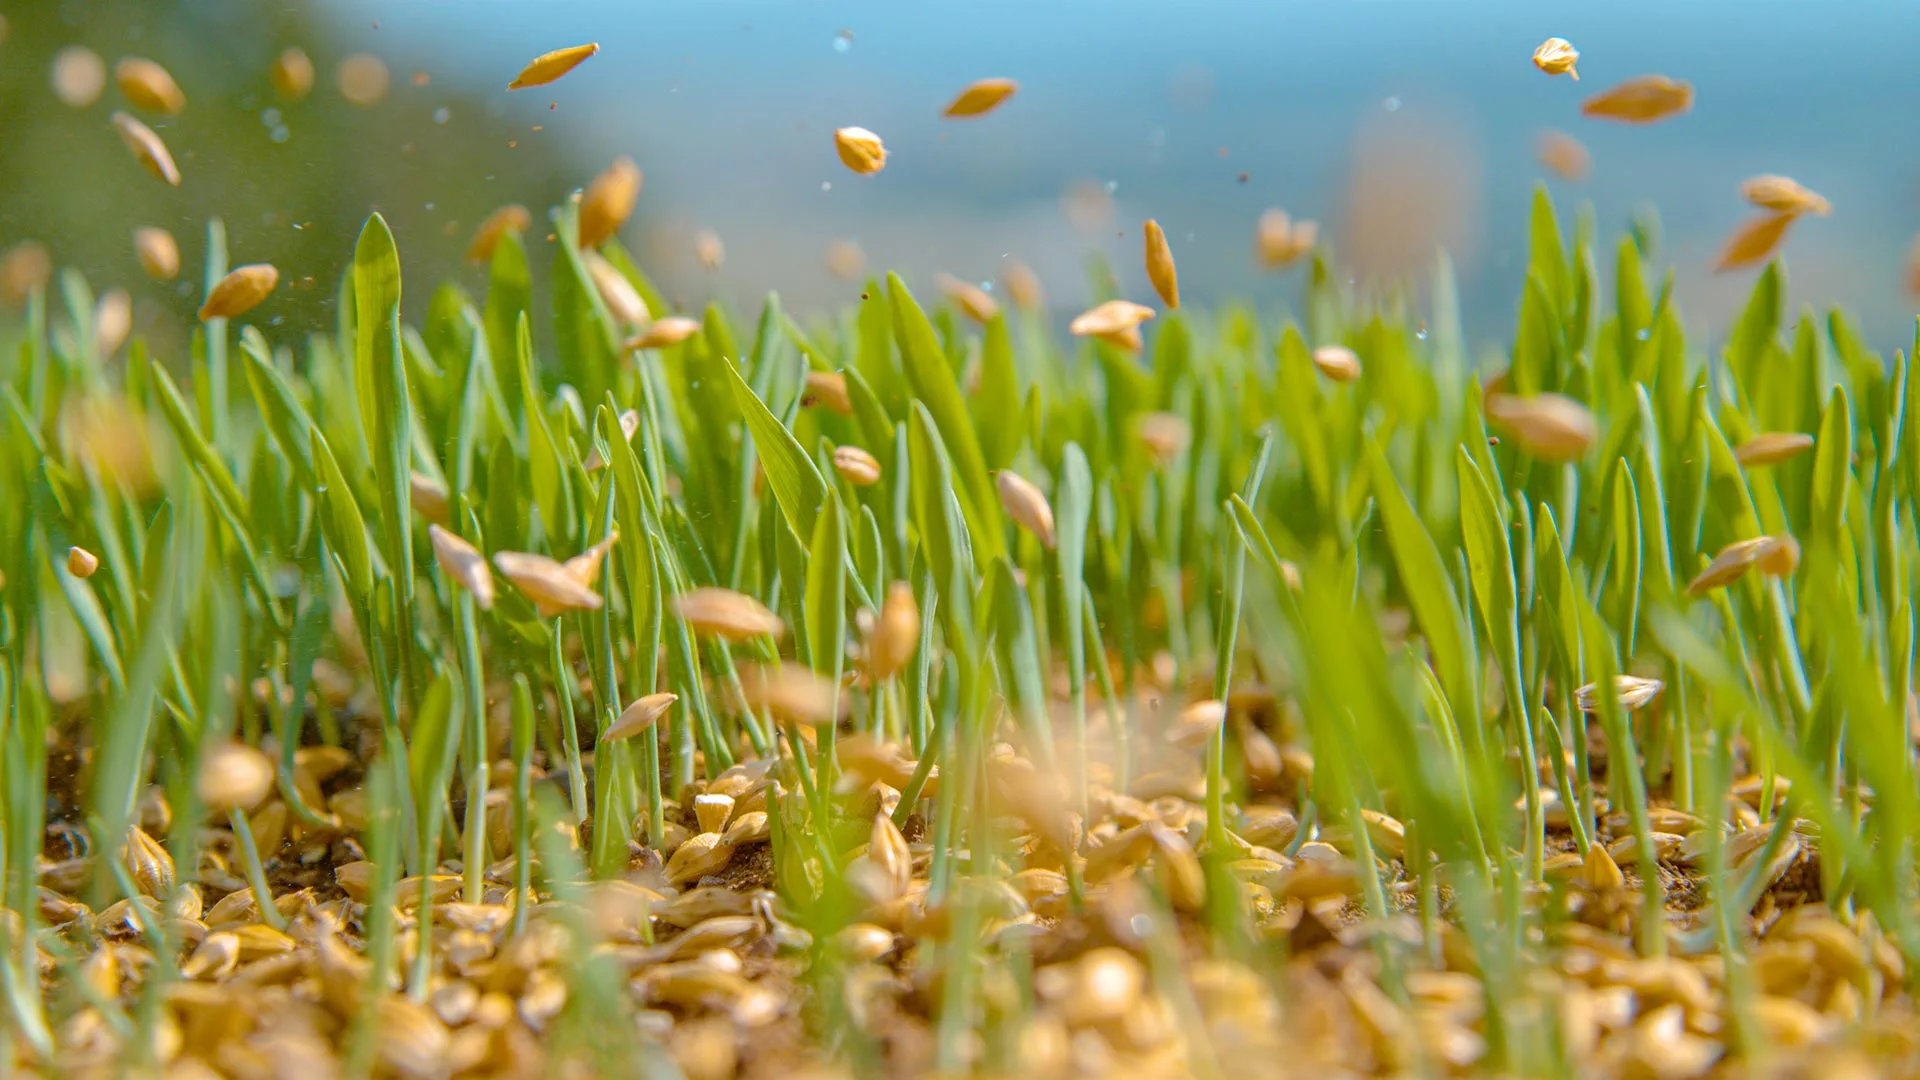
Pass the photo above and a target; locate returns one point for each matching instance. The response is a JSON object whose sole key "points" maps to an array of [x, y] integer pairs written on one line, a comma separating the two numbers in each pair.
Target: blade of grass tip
{"points": [[826, 616]]}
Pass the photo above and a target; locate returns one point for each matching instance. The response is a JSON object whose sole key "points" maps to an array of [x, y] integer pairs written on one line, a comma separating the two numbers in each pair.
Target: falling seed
{"points": [[845, 260], [1022, 285], [662, 333], [980, 98], [234, 776], [512, 217], [1780, 559], [1556, 56], [1160, 270], [1197, 724], [629, 424], [708, 250], [616, 292], [292, 74], [147, 148], [896, 633], [240, 291], [585, 567], [1731, 564], [859, 467], [1564, 155], [827, 389], [1026, 505], [464, 564], [547, 67], [1642, 100], [1337, 362], [860, 150], [1279, 241], [1772, 448], [1754, 242], [149, 86], [363, 79], [24, 267], [112, 321], [1112, 317], [1165, 435], [79, 75], [1784, 195], [971, 299], [793, 695], [608, 202], [727, 614], [546, 583], [640, 716], [81, 563], [1550, 427], [158, 254], [1632, 691]]}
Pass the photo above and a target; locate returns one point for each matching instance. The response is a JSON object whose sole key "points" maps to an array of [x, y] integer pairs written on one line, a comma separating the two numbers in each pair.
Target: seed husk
{"points": [[79, 75], [1551, 427], [1280, 241], [363, 79], [292, 74], [640, 716], [1337, 362], [585, 567], [616, 292], [1112, 317], [1783, 195], [1564, 155], [547, 67], [463, 564], [860, 150], [147, 148], [980, 98], [1645, 99], [1556, 56], [726, 614], [1772, 448], [1160, 268], [896, 633], [158, 254], [827, 389], [234, 776], [973, 301], [82, 563], [608, 201], [24, 267], [548, 584], [112, 321], [512, 217], [663, 333], [1633, 692], [1164, 434], [240, 291], [1731, 564], [149, 863], [859, 467], [712, 811], [428, 497], [1781, 559], [845, 260], [1022, 285], [708, 251], [149, 86], [792, 694], [1026, 505], [1754, 242]]}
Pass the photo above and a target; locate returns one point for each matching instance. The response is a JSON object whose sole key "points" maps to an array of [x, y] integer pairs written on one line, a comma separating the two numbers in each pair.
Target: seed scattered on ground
{"points": [[240, 291], [292, 74], [79, 75], [1026, 505], [159, 256], [980, 98], [149, 86], [1337, 362], [363, 79], [81, 563], [147, 148], [860, 150], [1645, 99], [547, 67], [1556, 56], [511, 218], [608, 202], [1754, 242], [1160, 269], [234, 776], [1564, 156]]}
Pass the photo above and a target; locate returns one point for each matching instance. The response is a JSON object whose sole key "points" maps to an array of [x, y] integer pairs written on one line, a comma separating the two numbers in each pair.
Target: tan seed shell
{"points": [[149, 863], [512, 218], [1550, 427], [828, 389], [664, 333], [1026, 505], [1730, 564], [888, 852], [701, 855], [973, 301], [1279, 241], [24, 267], [616, 292], [608, 201], [1337, 362], [712, 811], [147, 148], [1754, 242], [1783, 195], [1599, 871], [547, 67], [1022, 285], [428, 497], [1556, 56], [240, 291], [158, 254], [859, 467], [1633, 692], [640, 716], [1781, 559], [292, 74], [363, 79], [1112, 317], [585, 567], [1197, 723], [1164, 434], [728, 615], [1644, 99], [546, 583], [1772, 448], [792, 694], [896, 633], [1564, 155], [234, 776], [112, 321], [708, 251], [463, 564], [79, 75], [149, 86], [980, 98], [1160, 268], [860, 150], [82, 563]]}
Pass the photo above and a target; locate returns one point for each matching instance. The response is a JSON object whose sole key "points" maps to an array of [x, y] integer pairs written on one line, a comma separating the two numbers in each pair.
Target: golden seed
{"points": [[1633, 692], [896, 633], [240, 291], [292, 74], [1730, 564], [792, 694], [546, 583], [1022, 285], [1337, 362], [708, 250], [1754, 242], [1781, 559], [888, 852], [1641, 100], [662, 333], [1026, 505], [149, 86], [701, 855], [1550, 427], [112, 321], [973, 301], [214, 958], [1112, 317], [512, 218], [1556, 56], [608, 201], [363, 79], [78, 76], [24, 267], [1564, 155], [616, 291], [640, 716], [860, 150], [147, 148], [1772, 448], [585, 567], [728, 615], [1197, 723], [1783, 195], [859, 467], [827, 389], [234, 776], [547, 67], [158, 254], [81, 563], [149, 863], [1279, 241], [428, 497], [1165, 435], [845, 260], [980, 98], [463, 564], [1160, 269], [712, 811]]}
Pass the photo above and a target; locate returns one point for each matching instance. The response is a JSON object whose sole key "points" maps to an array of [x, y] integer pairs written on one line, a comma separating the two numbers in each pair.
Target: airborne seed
{"points": [[463, 563], [292, 74], [640, 716], [1772, 448], [1160, 269], [860, 150], [969, 298], [1784, 195], [859, 467], [1754, 241], [1550, 427], [547, 67], [729, 615], [1564, 155], [1026, 505], [149, 86], [980, 98], [363, 79], [78, 76], [158, 254], [662, 333], [1337, 362], [147, 148], [240, 291], [1556, 56], [82, 563], [512, 218], [608, 202], [1642, 100]]}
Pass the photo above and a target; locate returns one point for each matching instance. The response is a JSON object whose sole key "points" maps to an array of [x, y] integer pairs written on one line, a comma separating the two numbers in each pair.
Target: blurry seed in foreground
{"points": [[661, 333], [585, 567], [860, 468], [708, 250], [1026, 505], [896, 633], [1337, 362], [1022, 285], [512, 218], [1088, 206], [616, 292], [980, 98], [159, 255], [1116, 322], [1564, 156], [1279, 241], [234, 776], [1781, 558], [24, 267], [792, 694], [546, 583], [82, 563], [463, 564], [976, 303], [147, 148], [1413, 187], [860, 150], [1551, 427], [1644, 99], [608, 201], [292, 74], [547, 67], [112, 321], [363, 79], [428, 497], [827, 389], [149, 86], [1754, 242], [1772, 448], [845, 260], [1556, 56], [1160, 268], [1730, 564], [1197, 723], [1165, 435], [1783, 195], [1632, 692], [79, 75], [240, 291], [726, 614]]}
